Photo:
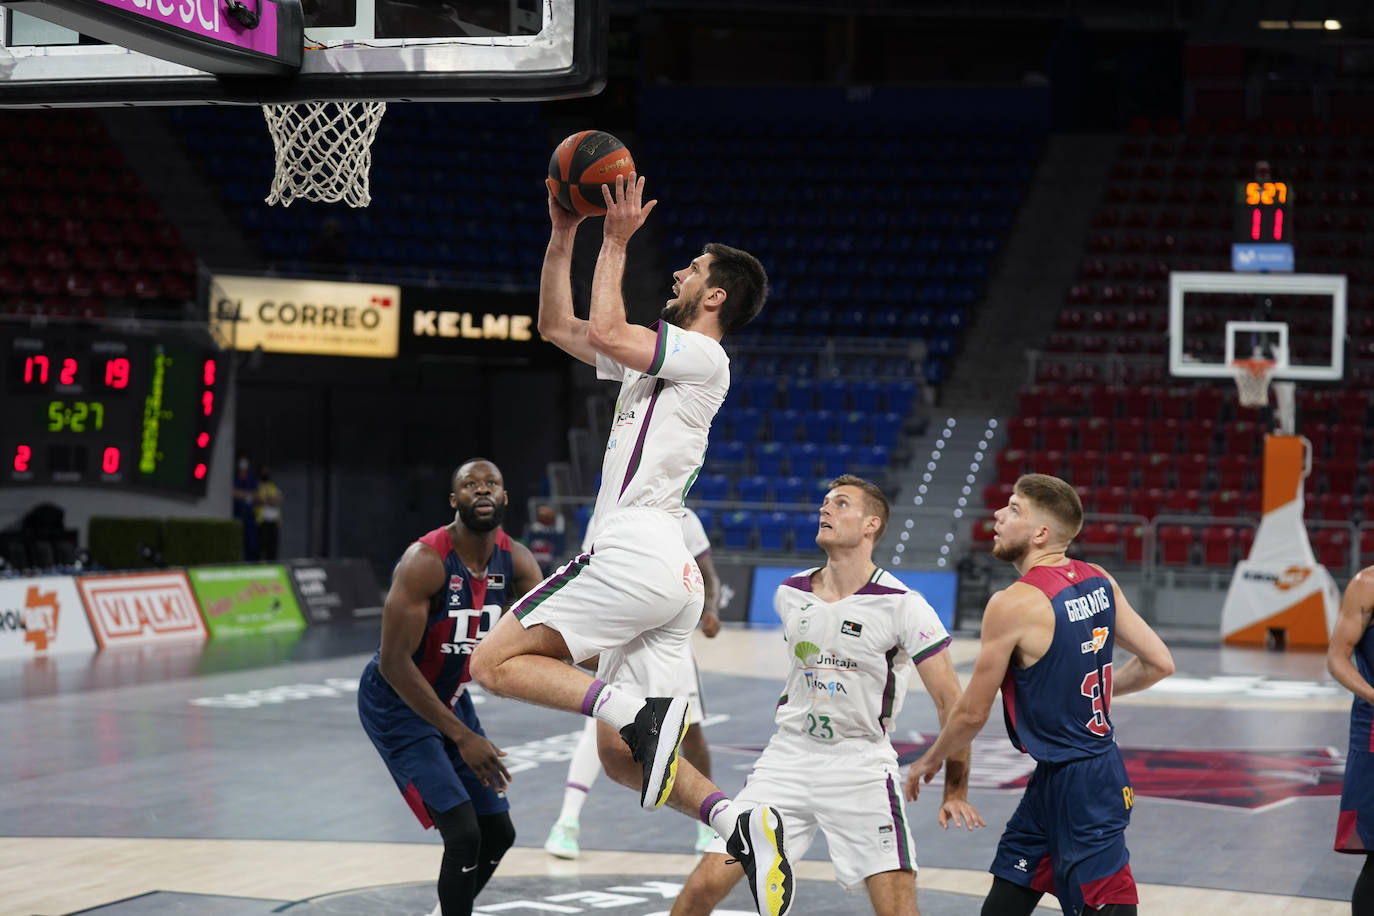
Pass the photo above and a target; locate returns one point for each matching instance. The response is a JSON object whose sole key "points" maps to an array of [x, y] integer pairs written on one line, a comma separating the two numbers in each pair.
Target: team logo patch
{"points": [[691, 578], [496, 580], [804, 624], [1097, 642], [850, 628], [886, 838]]}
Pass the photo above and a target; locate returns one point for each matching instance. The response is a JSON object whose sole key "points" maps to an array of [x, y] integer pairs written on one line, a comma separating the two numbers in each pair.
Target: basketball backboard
{"points": [[434, 50], [1297, 320]]}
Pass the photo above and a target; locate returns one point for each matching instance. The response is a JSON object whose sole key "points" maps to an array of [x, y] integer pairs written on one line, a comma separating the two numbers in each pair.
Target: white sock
{"points": [[724, 814], [582, 770], [615, 706]]}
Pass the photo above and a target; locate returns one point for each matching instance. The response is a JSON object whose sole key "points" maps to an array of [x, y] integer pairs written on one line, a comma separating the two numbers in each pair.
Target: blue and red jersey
{"points": [[1361, 713], [1057, 709], [462, 612]]}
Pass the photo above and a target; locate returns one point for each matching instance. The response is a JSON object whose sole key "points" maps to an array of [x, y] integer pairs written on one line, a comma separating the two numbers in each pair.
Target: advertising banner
{"points": [[240, 600], [485, 325], [318, 317], [938, 587], [141, 608], [736, 582], [335, 591], [42, 615]]}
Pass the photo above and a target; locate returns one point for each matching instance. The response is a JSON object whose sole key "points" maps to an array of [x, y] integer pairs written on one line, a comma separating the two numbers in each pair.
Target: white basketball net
{"points": [[1252, 380], [324, 150]]}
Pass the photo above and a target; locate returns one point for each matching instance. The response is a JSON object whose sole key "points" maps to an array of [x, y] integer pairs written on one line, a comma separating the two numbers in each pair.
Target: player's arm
{"points": [[1152, 662], [418, 576], [1002, 628], [557, 321], [1357, 608], [941, 682], [609, 333], [525, 569], [710, 580]]}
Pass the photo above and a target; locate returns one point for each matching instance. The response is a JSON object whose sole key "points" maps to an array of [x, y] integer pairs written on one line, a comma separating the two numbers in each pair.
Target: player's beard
{"points": [[475, 522], [682, 313], [1009, 552]]}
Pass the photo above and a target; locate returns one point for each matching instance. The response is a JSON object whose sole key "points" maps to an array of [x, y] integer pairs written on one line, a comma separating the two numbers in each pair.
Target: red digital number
{"points": [[203, 440], [1255, 224], [109, 462], [1101, 696], [200, 472], [22, 454], [68, 374], [209, 373], [1278, 225], [36, 366], [117, 373], [207, 400]]}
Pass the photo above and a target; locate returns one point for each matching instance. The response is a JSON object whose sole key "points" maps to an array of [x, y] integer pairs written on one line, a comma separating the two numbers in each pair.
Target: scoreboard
{"points": [[85, 408]]}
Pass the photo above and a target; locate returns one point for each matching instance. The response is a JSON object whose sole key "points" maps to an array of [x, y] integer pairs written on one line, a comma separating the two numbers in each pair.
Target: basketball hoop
{"points": [[1252, 380], [324, 150]]}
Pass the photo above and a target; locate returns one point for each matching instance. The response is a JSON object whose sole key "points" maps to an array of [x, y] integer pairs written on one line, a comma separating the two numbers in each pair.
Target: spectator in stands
{"points": [[268, 502], [546, 538], [245, 493]]}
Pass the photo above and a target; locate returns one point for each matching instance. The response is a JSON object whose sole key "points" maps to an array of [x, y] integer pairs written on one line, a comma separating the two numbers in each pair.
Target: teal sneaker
{"points": [[562, 841], [704, 837]]}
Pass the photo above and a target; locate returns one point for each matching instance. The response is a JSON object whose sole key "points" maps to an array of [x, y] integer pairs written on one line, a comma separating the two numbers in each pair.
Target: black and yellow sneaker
{"points": [[757, 845], [654, 738]]}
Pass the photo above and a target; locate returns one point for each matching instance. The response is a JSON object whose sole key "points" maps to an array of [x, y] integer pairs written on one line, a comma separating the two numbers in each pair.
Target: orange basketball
{"points": [[584, 162]]}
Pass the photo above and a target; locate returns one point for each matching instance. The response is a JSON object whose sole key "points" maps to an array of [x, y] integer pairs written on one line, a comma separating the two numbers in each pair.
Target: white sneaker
{"points": [[704, 837], [562, 841]]}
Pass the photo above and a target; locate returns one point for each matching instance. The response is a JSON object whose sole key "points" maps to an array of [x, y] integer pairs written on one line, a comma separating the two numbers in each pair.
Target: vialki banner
{"points": [[136, 608], [241, 600]]}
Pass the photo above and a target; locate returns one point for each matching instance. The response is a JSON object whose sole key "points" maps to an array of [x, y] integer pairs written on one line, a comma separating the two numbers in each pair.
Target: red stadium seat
{"points": [[1118, 469], [1175, 545], [1100, 539], [1084, 467], [1056, 432], [1218, 545], [1093, 433], [1332, 547], [1163, 434], [1023, 433], [1128, 435], [1113, 500], [1155, 469], [1133, 543], [1183, 502], [983, 534], [1147, 502], [1190, 471]]}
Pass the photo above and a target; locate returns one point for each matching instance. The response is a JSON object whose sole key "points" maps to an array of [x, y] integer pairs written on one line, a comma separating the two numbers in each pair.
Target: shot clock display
{"points": [[1262, 211], [86, 409]]}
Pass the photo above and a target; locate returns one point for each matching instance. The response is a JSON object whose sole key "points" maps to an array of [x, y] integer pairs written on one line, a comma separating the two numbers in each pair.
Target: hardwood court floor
{"points": [[234, 779]]}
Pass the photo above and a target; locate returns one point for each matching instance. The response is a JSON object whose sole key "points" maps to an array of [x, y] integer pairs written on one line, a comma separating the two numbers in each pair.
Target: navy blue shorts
{"points": [[1068, 835], [425, 765], [1355, 828]]}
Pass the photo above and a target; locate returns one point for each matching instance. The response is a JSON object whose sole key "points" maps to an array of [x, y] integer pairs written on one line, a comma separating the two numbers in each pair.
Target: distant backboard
{"points": [[434, 50], [1298, 320]]}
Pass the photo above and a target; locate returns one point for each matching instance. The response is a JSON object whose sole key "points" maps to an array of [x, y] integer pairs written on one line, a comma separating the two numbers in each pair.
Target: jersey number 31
{"points": [[1100, 692]]}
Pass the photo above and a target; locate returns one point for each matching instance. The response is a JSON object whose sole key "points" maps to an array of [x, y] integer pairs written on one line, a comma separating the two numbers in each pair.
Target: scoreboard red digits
{"points": [[83, 408]]}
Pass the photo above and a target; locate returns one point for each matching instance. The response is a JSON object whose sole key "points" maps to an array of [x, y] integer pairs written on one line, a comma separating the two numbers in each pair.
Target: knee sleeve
{"points": [[1362, 900], [459, 870], [1006, 898], [498, 835]]}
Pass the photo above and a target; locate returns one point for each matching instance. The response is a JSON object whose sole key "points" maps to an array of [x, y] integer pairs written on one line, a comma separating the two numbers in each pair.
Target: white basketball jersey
{"points": [[662, 420], [852, 660]]}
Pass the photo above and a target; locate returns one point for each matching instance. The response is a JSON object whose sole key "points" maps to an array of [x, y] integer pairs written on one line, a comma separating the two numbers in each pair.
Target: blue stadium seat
{"points": [[707, 517], [887, 429], [799, 394], [838, 459], [756, 488], [867, 395], [804, 526], [871, 459], [854, 428], [768, 458], [711, 487], [773, 530], [821, 426], [791, 490], [761, 392], [803, 458], [786, 425], [834, 394], [725, 455], [582, 515], [899, 395], [737, 530]]}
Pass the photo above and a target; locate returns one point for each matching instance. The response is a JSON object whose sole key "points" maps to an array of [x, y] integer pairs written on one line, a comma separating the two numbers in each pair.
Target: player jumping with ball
{"points": [[636, 595]]}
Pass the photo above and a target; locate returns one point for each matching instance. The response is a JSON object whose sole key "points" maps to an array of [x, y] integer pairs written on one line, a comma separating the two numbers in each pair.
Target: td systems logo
{"points": [[141, 608]]}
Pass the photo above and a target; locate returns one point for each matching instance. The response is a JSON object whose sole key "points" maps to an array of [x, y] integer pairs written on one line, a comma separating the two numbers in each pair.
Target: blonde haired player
{"points": [[854, 634]]}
